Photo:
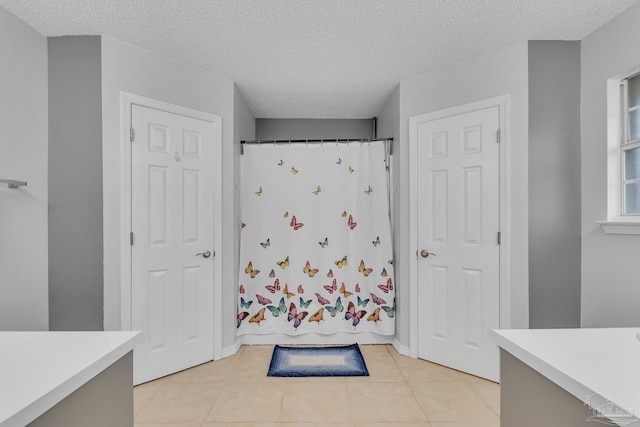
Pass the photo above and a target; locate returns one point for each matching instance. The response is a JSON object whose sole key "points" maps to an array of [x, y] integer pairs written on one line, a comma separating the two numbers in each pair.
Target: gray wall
{"points": [[610, 267], [23, 156], [314, 128], [75, 184], [554, 184]]}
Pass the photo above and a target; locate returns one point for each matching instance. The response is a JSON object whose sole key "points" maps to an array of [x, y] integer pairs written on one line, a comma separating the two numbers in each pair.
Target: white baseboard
{"points": [[318, 339], [232, 349], [402, 349]]}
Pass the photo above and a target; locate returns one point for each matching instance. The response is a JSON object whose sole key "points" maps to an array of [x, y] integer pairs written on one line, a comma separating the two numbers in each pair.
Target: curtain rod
{"points": [[290, 141]]}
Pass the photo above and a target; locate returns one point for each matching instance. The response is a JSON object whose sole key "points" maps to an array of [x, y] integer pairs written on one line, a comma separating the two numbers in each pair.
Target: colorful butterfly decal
{"points": [[295, 316], [376, 242], [357, 287], [330, 274], [295, 224], [304, 304], [293, 170], [245, 304], [341, 262], [242, 289], [375, 316], [241, 316], [317, 191], [351, 170], [339, 162], [250, 271], [258, 317], [343, 291], [281, 163], [300, 289], [391, 311], [273, 288], [351, 223], [368, 191], [354, 315], [384, 272], [262, 300], [322, 300], [362, 302], [281, 308], [386, 288], [363, 269], [259, 192], [283, 264], [332, 287], [338, 308], [318, 316], [266, 244], [344, 214], [324, 243], [286, 292], [286, 214], [309, 271], [376, 299], [272, 274]]}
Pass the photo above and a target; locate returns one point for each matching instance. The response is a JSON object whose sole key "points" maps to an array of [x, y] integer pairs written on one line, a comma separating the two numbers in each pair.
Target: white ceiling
{"points": [[319, 58]]}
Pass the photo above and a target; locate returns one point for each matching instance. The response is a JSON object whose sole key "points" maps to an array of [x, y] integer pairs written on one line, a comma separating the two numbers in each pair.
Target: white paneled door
{"points": [[458, 221], [172, 241]]}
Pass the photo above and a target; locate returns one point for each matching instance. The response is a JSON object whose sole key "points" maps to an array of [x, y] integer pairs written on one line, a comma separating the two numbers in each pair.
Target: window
{"points": [[623, 154], [630, 145]]}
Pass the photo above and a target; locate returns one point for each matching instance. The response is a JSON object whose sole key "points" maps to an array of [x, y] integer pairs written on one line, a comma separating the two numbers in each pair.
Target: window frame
{"points": [[626, 143], [617, 221]]}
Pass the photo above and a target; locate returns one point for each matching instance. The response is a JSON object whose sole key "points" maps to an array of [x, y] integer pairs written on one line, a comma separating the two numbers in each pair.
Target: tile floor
{"points": [[236, 392]]}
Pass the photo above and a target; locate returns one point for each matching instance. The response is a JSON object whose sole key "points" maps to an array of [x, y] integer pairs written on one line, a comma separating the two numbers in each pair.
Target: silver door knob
{"points": [[425, 253], [205, 254]]}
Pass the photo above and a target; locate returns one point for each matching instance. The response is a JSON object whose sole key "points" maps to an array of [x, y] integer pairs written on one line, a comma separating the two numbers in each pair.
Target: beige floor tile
{"points": [[143, 393], [167, 425], [180, 402], [381, 369], [394, 424], [236, 392], [418, 370], [257, 350], [217, 371], [248, 402], [390, 402], [489, 392], [471, 424], [278, 424], [452, 402], [374, 350], [304, 402], [392, 350]]}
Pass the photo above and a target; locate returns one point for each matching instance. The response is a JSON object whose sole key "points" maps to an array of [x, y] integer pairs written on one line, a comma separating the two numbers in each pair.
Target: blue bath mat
{"points": [[317, 362]]}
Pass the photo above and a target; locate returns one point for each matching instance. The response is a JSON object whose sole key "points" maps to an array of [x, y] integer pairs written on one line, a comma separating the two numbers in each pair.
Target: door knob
{"points": [[425, 253], [205, 254]]}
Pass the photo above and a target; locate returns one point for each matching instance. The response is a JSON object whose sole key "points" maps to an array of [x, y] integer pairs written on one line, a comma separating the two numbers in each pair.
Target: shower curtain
{"points": [[316, 249]]}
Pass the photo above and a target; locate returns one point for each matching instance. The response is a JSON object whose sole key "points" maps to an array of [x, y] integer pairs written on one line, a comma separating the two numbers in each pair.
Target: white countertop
{"points": [[584, 362], [39, 369]]}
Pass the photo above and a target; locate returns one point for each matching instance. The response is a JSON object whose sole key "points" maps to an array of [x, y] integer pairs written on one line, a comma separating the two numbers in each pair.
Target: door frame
{"points": [[127, 100], [502, 102]]}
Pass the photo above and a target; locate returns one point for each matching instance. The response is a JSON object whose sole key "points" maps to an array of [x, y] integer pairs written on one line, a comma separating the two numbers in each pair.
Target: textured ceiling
{"points": [[319, 58]]}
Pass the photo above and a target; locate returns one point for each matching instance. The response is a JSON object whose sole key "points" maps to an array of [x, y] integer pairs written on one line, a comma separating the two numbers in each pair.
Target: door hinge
{"points": [[499, 237], [498, 136], [131, 238], [131, 134]]}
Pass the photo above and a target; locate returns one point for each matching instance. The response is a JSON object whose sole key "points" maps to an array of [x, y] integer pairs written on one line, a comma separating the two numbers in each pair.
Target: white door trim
{"points": [[502, 102], [127, 100]]}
